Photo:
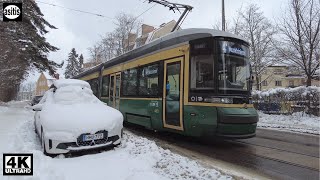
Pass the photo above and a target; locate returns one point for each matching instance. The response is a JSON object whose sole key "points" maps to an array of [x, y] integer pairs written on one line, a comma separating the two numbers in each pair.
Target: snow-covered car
{"points": [[70, 118]]}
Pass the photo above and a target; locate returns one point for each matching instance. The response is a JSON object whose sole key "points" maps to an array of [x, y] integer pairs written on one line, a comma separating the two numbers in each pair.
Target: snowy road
{"points": [[297, 122], [136, 159], [270, 155]]}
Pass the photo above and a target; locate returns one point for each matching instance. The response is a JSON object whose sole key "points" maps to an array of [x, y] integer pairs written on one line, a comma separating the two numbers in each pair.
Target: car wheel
{"points": [[43, 145], [35, 127]]}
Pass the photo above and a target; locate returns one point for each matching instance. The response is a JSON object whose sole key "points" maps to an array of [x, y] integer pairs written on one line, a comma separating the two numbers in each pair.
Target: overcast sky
{"points": [[81, 31]]}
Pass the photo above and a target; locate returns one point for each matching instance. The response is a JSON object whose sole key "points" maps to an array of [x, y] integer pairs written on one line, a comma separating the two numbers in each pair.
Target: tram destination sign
{"points": [[238, 51]]}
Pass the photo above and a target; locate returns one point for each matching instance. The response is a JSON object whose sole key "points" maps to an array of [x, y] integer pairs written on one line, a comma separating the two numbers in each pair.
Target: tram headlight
{"points": [[219, 100], [227, 100]]}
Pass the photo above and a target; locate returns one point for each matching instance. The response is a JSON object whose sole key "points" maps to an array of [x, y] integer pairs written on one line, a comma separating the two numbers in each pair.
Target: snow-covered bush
{"points": [[288, 100]]}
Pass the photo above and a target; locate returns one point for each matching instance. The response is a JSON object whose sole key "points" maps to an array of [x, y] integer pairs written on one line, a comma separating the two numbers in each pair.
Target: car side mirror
{"points": [[37, 107]]}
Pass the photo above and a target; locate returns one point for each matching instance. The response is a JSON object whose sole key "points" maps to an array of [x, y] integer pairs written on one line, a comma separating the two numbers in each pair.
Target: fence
{"points": [[288, 100]]}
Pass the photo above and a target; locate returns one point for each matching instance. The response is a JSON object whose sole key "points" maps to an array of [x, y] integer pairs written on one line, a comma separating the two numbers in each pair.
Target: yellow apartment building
{"points": [[283, 76], [43, 84]]}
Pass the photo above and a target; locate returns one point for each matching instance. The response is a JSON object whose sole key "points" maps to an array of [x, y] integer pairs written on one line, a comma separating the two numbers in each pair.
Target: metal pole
{"points": [[223, 17]]}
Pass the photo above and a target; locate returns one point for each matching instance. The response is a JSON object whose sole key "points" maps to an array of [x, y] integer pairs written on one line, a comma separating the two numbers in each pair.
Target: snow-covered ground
{"points": [[137, 157], [296, 122]]}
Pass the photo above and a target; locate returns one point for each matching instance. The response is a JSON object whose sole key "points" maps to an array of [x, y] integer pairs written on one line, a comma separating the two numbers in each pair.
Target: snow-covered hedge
{"points": [[288, 100]]}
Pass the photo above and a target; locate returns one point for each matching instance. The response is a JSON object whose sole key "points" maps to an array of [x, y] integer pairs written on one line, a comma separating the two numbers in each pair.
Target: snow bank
{"points": [[302, 89], [297, 122], [136, 159], [166, 163]]}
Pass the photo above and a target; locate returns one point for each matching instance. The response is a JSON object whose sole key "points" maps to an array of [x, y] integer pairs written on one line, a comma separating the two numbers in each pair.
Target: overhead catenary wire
{"points": [[91, 13], [144, 11], [72, 9]]}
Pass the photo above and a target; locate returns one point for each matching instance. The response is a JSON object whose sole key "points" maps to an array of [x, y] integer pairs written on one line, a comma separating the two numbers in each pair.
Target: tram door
{"points": [[114, 92], [173, 94]]}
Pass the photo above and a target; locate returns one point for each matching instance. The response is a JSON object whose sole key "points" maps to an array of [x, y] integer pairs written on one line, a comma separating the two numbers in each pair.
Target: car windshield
{"points": [[74, 95], [233, 67]]}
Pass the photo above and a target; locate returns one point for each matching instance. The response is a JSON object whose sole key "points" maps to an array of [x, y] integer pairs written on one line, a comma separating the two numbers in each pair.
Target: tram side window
{"points": [[105, 86], [148, 80], [130, 82], [202, 75], [94, 86]]}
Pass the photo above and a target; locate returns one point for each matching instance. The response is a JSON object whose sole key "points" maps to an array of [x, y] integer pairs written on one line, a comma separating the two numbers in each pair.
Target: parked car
{"points": [[35, 100], [70, 118]]}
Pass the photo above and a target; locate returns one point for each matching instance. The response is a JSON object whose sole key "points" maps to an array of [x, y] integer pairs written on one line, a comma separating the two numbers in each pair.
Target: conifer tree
{"points": [[81, 62], [23, 47], [73, 64]]}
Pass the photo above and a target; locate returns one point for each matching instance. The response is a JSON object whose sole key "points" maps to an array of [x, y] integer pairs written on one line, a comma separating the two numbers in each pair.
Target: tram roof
{"points": [[177, 37]]}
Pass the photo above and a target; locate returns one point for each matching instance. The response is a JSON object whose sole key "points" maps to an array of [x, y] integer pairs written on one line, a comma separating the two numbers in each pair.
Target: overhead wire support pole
{"points": [[223, 17], [173, 7]]}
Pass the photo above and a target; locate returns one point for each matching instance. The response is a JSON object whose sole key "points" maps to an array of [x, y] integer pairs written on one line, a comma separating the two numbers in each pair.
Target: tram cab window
{"points": [[202, 72], [94, 83], [148, 80], [130, 82], [105, 86]]}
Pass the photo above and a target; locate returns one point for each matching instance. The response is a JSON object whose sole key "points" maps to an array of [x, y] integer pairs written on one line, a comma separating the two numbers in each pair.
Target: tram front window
{"points": [[202, 72], [233, 67]]}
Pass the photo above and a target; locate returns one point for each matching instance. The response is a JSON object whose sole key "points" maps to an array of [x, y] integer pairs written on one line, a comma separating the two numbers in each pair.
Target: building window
{"points": [[278, 83], [130, 82], [291, 83], [277, 71], [105, 86], [264, 83], [148, 80]]}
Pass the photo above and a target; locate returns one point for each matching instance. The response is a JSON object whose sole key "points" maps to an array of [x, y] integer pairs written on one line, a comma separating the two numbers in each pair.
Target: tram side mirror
{"points": [[37, 107]]}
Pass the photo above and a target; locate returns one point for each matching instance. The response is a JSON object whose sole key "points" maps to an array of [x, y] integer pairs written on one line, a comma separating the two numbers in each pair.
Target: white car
{"points": [[70, 118]]}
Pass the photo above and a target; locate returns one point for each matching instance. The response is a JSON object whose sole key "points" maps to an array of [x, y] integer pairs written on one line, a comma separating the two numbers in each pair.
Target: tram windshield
{"points": [[227, 69], [233, 67]]}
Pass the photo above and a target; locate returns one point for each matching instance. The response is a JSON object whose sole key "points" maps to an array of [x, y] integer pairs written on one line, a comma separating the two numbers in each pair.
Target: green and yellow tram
{"points": [[195, 82]]}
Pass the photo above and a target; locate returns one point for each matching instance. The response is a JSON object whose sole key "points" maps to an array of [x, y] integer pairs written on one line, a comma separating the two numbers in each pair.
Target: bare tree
{"points": [[96, 53], [118, 41], [257, 29], [299, 29], [111, 46], [127, 25], [218, 25]]}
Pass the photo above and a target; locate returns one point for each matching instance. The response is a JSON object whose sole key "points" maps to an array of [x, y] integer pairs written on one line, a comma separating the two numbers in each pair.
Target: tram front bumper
{"points": [[237, 122]]}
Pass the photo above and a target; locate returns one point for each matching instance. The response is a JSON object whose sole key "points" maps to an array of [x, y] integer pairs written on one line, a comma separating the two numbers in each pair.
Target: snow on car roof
{"points": [[70, 82]]}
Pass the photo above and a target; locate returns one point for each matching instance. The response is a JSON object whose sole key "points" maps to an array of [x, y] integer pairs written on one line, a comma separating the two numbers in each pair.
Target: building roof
{"points": [[50, 79]]}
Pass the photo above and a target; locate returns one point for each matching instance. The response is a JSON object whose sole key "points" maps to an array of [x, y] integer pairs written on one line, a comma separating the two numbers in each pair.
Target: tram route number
{"points": [[196, 98]]}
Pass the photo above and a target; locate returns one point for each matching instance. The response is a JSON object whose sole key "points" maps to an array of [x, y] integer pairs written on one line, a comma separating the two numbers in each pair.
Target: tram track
{"points": [[280, 149], [267, 156]]}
